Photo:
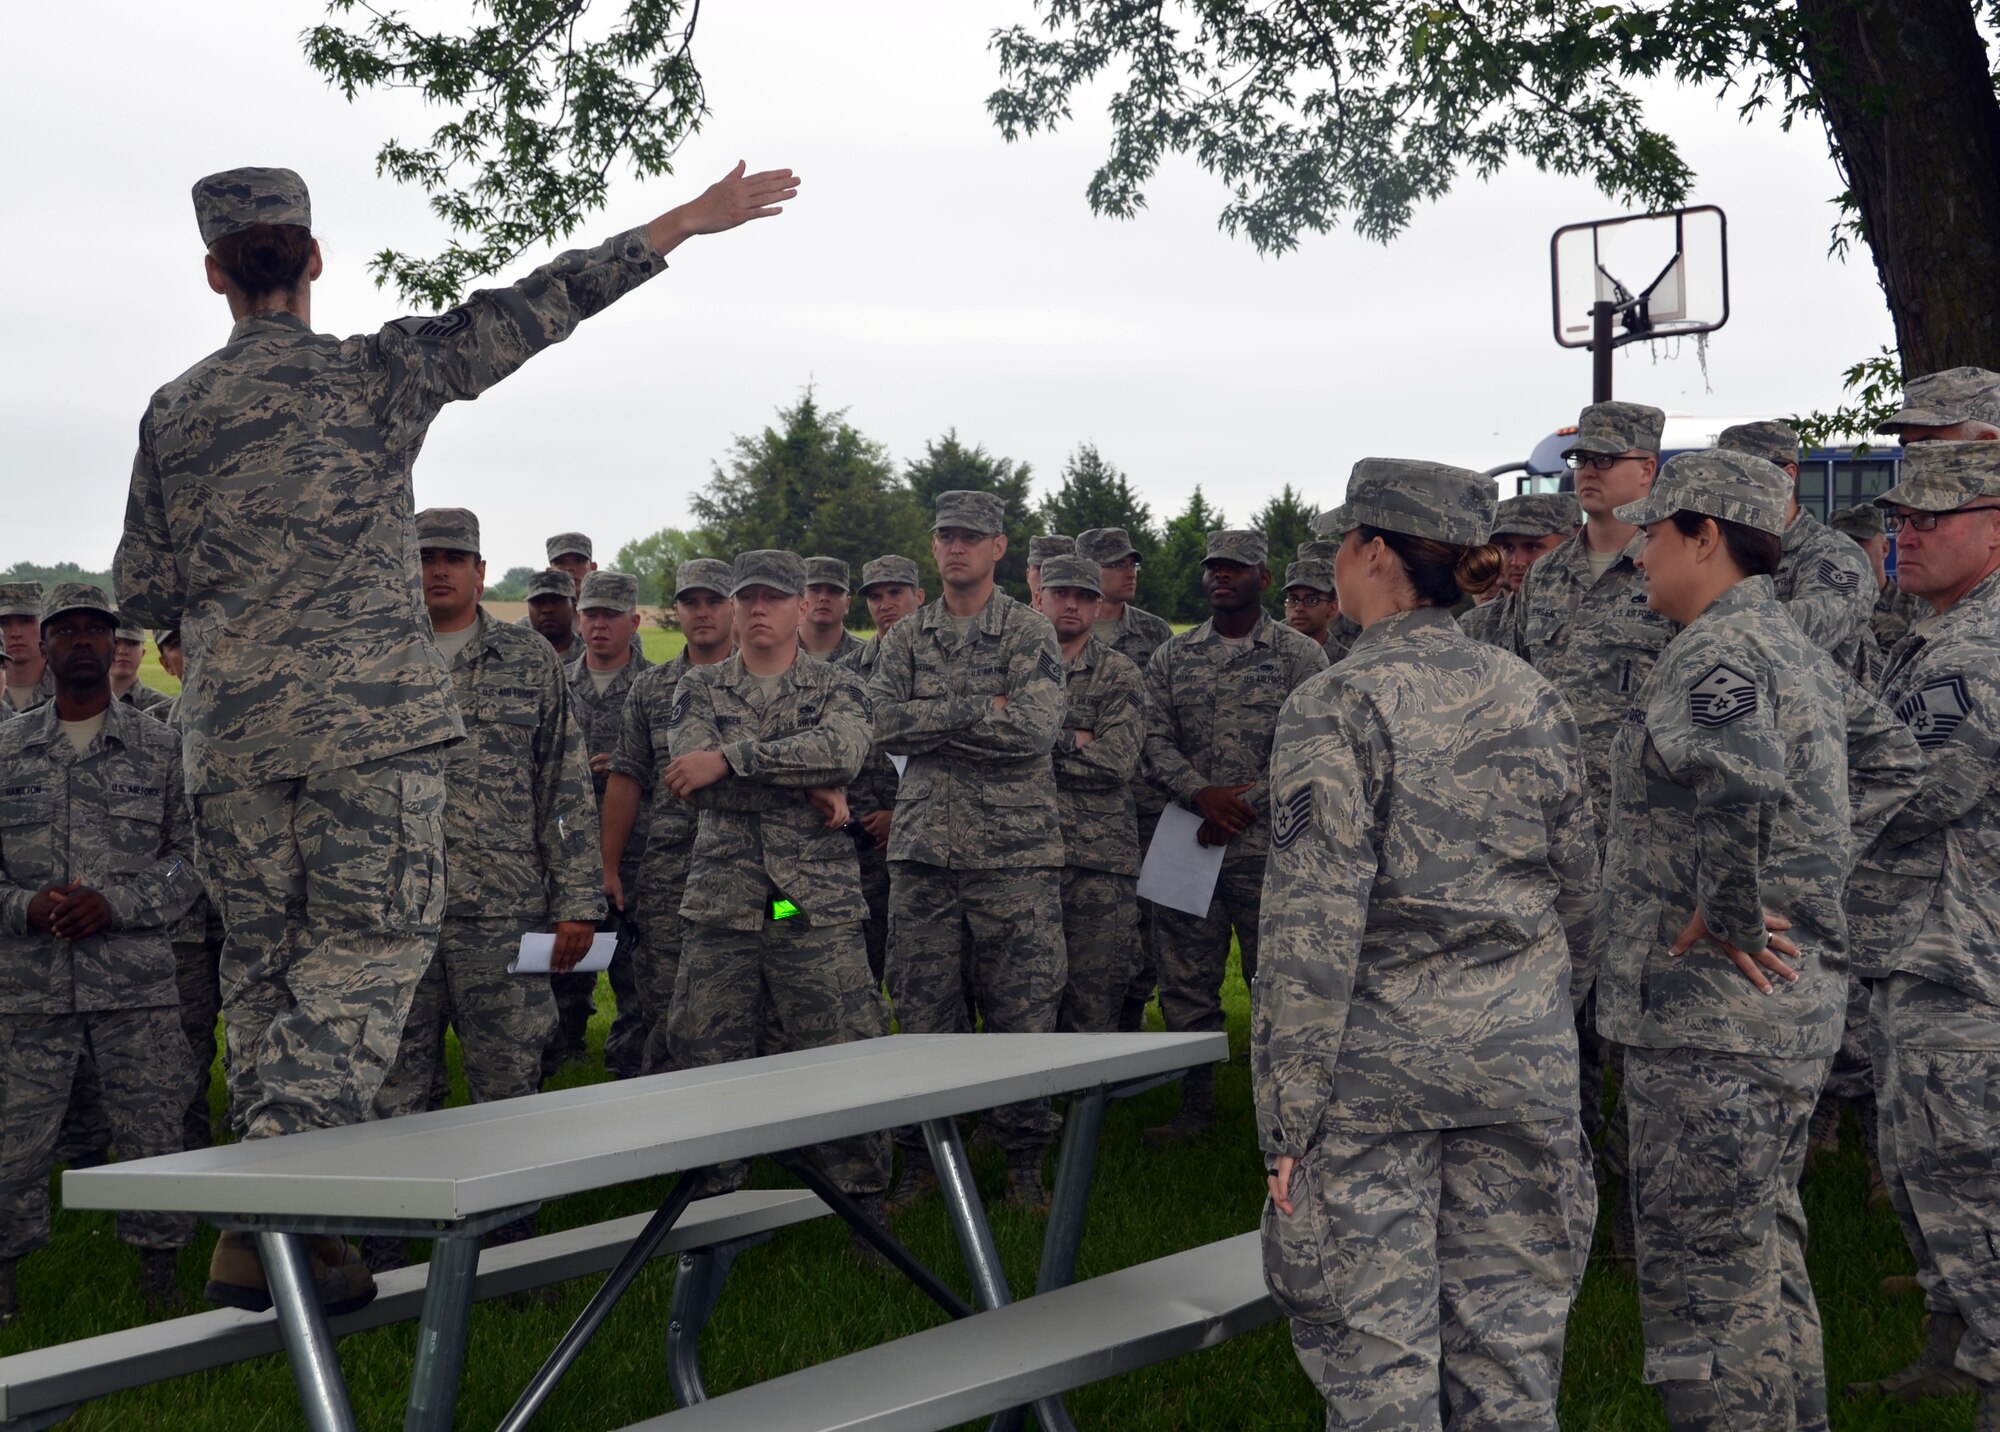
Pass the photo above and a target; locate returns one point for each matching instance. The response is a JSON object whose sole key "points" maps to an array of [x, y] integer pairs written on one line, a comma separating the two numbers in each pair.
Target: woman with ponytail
{"points": [[1428, 911]]}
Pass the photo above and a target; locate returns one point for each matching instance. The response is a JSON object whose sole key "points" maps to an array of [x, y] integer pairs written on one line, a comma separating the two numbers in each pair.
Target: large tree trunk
{"points": [[1908, 96]]}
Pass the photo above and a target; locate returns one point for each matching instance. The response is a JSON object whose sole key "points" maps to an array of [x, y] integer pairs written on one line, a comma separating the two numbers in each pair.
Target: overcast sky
{"points": [[928, 276]]}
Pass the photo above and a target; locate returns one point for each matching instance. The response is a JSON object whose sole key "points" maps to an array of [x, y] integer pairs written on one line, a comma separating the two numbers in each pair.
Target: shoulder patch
{"points": [[1292, 819], [443, 325], [1046, 665], [1723, 695], [1935, 710], [1831, 574]]}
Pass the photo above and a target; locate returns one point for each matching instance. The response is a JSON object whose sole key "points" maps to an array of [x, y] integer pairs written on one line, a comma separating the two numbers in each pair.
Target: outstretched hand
{"points": [[734, 199]]}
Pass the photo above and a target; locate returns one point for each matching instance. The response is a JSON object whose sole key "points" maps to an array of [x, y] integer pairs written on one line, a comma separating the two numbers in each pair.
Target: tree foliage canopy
{"points": [[1093, 493], [948, 465]]}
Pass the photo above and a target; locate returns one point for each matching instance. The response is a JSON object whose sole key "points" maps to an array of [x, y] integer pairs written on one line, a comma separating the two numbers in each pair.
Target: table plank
{"points": [[458, 1163]]}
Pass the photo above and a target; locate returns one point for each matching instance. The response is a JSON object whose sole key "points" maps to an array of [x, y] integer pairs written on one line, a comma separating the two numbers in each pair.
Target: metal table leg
{"points": [[602, 1302], [322, 1393], [441, 1334]]}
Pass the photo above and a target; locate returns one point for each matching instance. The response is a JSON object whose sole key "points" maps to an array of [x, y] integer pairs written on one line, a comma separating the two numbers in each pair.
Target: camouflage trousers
{"points": [[656, 957], [503, 1020], [1428, 1274], [1139, 990], [198, 980], [1717, 1145], [875, 929], [816, 980], [1194, 950], [1100, 916], [1939, 1109], [141, 1060], [991, 937], [633, 1015], [332, 889]]}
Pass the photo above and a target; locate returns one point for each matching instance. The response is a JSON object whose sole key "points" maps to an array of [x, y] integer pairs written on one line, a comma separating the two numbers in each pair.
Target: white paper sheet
{"points": [[901, 763], [1179, 872], [537, 949]]}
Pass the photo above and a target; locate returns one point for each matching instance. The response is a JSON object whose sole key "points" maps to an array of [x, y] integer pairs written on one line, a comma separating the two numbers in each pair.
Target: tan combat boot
{"points": [[1932, 1373]]}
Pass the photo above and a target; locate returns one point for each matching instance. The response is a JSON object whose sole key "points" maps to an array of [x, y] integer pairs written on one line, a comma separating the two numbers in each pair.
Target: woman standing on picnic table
{"points": [[1429, 913]]}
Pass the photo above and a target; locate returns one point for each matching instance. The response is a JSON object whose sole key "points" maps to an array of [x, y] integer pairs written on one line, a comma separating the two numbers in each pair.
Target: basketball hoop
{"points": [[1681, 259]]}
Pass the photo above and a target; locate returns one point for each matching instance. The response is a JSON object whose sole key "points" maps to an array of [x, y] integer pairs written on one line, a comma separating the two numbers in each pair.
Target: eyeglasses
{"points": [[1926, 521], [1123, 564], [1600, 461], [1309, 601]]}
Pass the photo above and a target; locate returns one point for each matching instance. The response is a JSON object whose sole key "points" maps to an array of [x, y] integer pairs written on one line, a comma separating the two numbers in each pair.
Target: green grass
{"points": [[802, 1299]]}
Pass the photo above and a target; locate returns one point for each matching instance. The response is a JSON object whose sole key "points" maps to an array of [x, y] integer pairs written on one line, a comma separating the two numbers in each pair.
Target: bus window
{"points": [[1812, 488]]}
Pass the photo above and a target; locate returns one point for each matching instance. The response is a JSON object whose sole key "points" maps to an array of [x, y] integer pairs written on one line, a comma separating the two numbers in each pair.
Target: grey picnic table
{"points": [[453, 1175]]}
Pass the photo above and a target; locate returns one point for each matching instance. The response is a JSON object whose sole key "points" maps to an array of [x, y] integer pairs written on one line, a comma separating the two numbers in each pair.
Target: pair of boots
{"points": [[1934, 1373], [156, 1283], [340, 1277], [1197, 1115], [1025, 1188]]}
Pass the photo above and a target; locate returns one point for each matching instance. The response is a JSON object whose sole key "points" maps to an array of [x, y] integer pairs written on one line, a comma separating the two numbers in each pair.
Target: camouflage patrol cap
{"points": [[1316, 575], [1105, 544], [1937, 477], [826, 572], [1418, 499], [1318, 549], [1237, 544], [128, 632], [239, 199], [609, 592], [1860, 523], [1040, 549], [448, 529], [20, 599], [884, 570], [775, 568], [1773, 441], [552, 583], [77, 597], [1618, 427], [980, 512], [170, 636], [1537, 514], [1942, 400], [703, 574], [1716, 482], [569, 544], [1066, 569]]}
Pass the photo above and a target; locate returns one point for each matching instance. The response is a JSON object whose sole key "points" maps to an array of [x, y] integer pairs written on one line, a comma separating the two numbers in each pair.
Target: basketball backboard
{"points": [[1664, 275]]}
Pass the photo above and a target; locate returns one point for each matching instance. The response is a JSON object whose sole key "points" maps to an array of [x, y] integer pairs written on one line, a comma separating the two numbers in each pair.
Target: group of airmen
{"points": [[1693, 793]]}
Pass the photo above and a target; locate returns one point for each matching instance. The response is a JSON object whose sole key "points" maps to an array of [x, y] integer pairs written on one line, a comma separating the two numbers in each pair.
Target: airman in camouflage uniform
{"points": [[1412, 1030], [761, 745], [1730, 806], [520, 832], [1212, 700], [1955, 405], [1040, 549], [824, 633], [552, 613], [128, 649], [890, 587], [1924, 905], [969, 688], [662, 870], [570, 553], [1097, 751], [1895, 609], [1135, 634], [269, 520], [1525, 529], [599, 683], [1343, 631], [1310, 603], [28, 682], [96, 861]]}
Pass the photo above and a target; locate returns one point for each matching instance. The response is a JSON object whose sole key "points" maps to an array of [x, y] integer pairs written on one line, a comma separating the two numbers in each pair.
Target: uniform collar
{"points": [[733, 674], [44, 726], [989, 622], [1399, 623], [1259, 635], [271, 320], [1744, 595]]}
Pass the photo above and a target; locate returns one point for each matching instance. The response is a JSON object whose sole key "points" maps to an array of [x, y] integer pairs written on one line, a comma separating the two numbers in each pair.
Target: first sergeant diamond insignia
{"points": [[1832, 574], [1935, 710], [1723, 695]]}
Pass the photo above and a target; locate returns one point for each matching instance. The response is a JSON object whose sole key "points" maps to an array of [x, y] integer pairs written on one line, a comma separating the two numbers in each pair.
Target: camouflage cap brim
{"points": [[1716, 482], [1941, 476]]}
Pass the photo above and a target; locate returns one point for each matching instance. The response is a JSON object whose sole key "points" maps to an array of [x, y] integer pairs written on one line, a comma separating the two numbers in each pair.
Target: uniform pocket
{"points": [[416, 886], [27, 837], [1962, 1107], [133, 825]]}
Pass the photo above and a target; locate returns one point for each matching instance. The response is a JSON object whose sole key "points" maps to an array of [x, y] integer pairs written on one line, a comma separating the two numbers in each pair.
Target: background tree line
{"points": [[814, 483]]}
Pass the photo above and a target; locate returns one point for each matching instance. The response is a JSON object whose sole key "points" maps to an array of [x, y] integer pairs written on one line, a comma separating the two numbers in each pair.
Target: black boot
{"points": [[1024, 1181], [157, 1286], [917, 1179]]}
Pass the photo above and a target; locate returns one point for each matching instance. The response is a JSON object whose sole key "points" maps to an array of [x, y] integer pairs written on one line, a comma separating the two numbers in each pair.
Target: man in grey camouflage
{"points": [[1311, 607], [890, 587], [96, 861], [706, 617], [1342, 631], [1212, 700], [1415, 1068], [969, 688], [600, 680], [1895, 609], [1040, 549], [27, 675], [762, 745], [269, 519], [1924, 906], [1955, 405], [1097, 751], [520, 830], [552, 612], [1134, 633], [1823, 581], [1730, 817], [824, 633], [1525, 529], [128, 650]]}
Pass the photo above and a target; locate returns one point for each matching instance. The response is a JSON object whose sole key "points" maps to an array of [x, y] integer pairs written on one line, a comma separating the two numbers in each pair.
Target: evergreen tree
{"points": [[1170, 577], [1285, 522], [1093, 493], [948, 465]]}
